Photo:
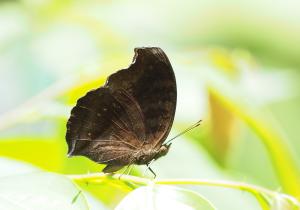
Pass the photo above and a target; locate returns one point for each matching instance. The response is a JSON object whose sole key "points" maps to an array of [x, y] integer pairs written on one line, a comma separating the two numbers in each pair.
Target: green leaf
{"points": [[39, 191], [32, 150], [161, 197], [281, 157], [27, 188]]}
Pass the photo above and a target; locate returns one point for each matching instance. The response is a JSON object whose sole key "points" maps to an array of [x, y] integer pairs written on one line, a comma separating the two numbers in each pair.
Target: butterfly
{"points": [[127, 120]]}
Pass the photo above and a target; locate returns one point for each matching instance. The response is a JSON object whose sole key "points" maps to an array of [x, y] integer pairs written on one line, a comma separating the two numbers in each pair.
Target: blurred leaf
{"points": [[43, 152], [224, 61], [223, 122], [280, 155], [11, 167], [36, 190], [158, 197], [47, 153], [39, 191]]}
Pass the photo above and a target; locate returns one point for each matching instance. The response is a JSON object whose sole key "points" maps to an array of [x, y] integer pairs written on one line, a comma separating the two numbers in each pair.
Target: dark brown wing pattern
{"points": [[103, 129], [135, 107], [151, 82]]}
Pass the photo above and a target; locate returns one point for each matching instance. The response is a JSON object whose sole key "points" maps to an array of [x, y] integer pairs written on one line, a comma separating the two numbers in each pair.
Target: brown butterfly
{"points": [[127, 120]]}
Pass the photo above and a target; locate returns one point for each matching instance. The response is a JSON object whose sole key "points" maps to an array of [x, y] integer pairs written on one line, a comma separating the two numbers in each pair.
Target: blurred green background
{"points": [[237, 68]]}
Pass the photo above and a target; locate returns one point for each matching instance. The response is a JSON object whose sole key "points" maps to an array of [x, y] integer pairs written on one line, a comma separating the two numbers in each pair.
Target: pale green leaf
{"points": [[161, 197], [25, 187]]}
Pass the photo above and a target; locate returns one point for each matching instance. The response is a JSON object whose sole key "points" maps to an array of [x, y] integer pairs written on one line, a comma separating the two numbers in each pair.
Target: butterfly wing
{"points": [[150, 81], [101, 128], [136, 106]]}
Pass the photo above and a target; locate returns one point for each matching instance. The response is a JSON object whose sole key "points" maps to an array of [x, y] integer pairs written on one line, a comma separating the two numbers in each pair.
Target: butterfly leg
{"points": [[148, 167], [151, 171], [126, 171], [130, 168]]}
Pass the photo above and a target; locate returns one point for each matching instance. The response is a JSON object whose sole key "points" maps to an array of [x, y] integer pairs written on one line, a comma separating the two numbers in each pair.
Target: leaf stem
{"points": [[253, 189]]}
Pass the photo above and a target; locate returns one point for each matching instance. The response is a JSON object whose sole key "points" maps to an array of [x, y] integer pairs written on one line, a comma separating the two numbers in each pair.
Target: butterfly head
{"points": [[147, 155], [162, 151]]}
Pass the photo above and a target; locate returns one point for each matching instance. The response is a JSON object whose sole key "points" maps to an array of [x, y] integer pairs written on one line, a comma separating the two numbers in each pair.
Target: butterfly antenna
{"points": [[185, 131]]}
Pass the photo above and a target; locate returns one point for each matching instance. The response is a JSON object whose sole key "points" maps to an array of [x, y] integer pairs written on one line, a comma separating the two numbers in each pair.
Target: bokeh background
{"points": [[237, 68]]}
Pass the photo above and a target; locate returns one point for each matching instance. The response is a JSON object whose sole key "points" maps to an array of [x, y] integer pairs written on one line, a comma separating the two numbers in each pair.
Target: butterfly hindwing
{"points": [[100, 127]]}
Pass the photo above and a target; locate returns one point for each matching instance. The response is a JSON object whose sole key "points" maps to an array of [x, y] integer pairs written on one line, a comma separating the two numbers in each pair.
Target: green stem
{"points": [[253, 189], [99, 177]]}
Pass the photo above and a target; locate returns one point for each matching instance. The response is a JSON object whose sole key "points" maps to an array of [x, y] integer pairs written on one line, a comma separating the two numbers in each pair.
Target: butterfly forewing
{"points": [[151, 82]]}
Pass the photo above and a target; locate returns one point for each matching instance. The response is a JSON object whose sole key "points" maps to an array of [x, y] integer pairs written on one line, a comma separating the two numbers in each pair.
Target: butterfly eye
{"points": [[144, 158]]}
